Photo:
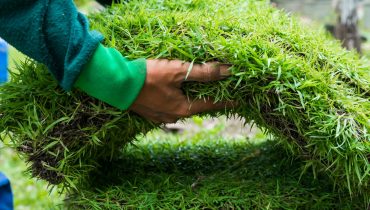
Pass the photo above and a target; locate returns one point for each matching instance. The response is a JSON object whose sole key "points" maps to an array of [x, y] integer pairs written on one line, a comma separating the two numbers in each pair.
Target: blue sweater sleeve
{"points": [[6, 196], [52, 32]]}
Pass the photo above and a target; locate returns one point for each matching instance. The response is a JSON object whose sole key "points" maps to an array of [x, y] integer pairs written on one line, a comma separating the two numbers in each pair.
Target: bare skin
{"points": [[161, 99]]}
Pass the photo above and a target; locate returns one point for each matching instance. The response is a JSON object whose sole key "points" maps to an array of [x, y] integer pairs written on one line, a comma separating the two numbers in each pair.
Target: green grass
{"points": [[204, 171], [28, 193], [290, 80], [14, 57], [190, 171]]}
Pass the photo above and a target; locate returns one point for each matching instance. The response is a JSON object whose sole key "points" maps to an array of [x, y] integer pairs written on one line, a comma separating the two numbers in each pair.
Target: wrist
{"points": [[112, 78]]}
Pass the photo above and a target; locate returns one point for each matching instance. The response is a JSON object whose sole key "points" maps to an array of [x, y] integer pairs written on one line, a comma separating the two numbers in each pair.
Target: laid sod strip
{"points": [[290, 80], [213, 174]]}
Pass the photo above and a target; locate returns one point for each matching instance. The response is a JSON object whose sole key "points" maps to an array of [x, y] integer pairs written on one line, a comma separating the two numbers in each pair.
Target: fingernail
{"points": [[225, 70]]}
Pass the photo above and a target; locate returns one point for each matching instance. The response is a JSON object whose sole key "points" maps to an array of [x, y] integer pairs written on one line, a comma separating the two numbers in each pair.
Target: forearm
{"points": [[54, 33], [51, 32]]}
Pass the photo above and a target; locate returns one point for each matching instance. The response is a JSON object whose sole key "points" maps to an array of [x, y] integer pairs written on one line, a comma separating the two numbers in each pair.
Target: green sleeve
{"points": [[111, 78], [52, 32]]}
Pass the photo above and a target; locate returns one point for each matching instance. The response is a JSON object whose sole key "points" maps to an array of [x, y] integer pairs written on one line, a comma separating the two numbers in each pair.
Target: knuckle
{"points": [[210, 72]]}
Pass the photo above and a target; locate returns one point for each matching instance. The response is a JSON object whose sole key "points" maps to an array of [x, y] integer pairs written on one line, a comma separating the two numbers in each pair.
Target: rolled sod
{"points": [[291, 80]]}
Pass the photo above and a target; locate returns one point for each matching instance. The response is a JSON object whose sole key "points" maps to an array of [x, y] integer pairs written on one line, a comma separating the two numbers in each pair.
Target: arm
{"points": [[53, 32]]}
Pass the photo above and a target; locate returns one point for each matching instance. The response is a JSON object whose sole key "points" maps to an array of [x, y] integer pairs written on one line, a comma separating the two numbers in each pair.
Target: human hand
{"points": [[162, 101]]}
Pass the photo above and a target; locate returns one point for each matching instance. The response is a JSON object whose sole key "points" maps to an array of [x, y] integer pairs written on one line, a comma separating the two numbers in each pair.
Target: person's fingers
{"points": [[207, 72], [211, 71], [156, 117], [160, 120], [186, 110], [200, 106]]}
